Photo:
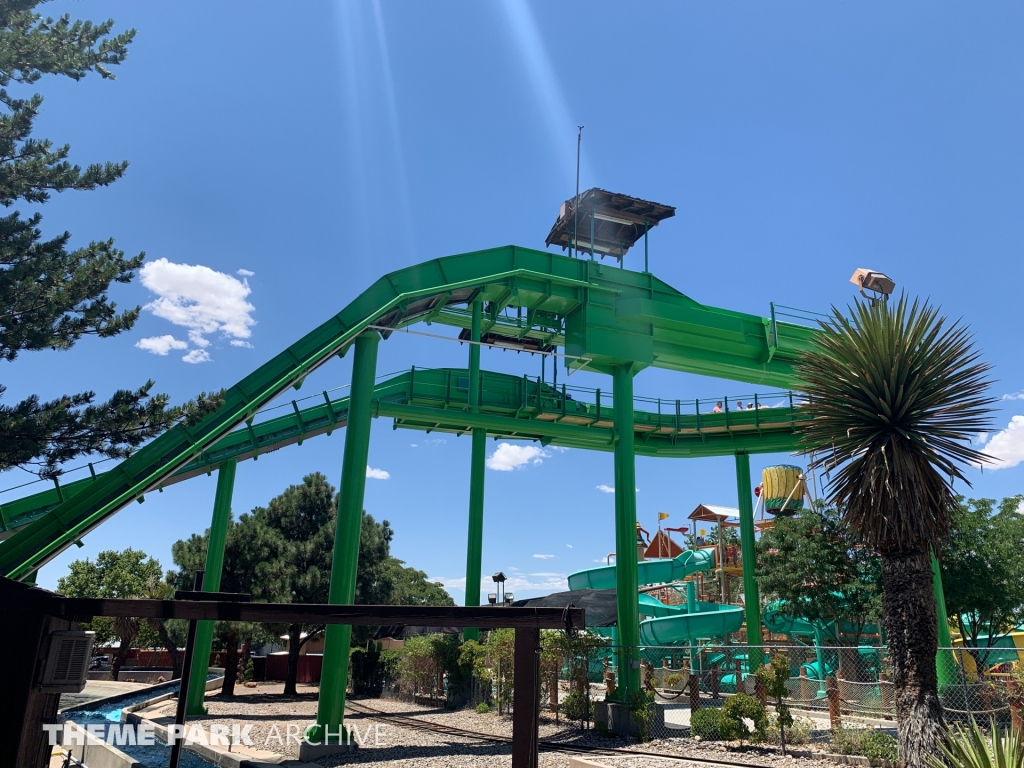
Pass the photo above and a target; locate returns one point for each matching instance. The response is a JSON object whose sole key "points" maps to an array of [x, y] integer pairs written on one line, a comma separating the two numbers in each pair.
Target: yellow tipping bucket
{"points": [[780, 483]]}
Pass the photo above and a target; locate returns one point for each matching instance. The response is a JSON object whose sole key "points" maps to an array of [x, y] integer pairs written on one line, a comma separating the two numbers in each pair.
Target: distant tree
{"points": [[410, 586], [255, 563], [50, 297], [305, 517], [129, 573], [982, 568], [822, 571]]}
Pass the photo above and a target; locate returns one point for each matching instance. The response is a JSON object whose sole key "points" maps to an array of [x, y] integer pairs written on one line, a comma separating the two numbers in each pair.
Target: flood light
{"points": [[492, 598], [878, 283]]}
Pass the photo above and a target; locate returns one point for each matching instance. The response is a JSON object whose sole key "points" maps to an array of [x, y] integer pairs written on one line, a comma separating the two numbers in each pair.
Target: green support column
{"points": [[474, 548], [211, 583], [334, 679], [945, 665], [627, 604], [751, 600]]}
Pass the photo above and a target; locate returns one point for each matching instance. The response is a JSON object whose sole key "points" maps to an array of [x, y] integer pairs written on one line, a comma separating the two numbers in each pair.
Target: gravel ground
{"points": [[264, 707]]}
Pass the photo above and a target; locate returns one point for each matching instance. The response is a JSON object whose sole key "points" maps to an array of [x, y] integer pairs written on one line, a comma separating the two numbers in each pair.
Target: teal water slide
{"points": [[670, 624]]}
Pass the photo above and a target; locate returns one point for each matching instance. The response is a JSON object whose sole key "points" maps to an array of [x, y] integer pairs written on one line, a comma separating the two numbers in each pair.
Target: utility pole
{"points": [[576, 200]]}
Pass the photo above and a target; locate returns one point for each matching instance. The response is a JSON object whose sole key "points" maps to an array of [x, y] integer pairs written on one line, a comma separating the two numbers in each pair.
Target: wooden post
{"points": [[760, 692], [805, 692], [739, 676], [526, 698], [23, 742], [714, 681], [835, 712], [1016, 700], [694, 684]]}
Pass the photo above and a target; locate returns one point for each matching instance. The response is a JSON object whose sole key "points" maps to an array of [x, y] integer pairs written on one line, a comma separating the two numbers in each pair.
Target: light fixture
{"points": [[613, 219], [492, 598], [499, 579], [509, 598], [880, 284]]}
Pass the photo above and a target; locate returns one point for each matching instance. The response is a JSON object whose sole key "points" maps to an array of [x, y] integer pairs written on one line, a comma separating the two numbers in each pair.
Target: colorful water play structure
{"points": [[578, 310]]}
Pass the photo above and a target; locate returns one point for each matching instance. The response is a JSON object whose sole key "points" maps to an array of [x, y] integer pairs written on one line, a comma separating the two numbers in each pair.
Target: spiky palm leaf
{"points": [[895, 394], [971, 748]]}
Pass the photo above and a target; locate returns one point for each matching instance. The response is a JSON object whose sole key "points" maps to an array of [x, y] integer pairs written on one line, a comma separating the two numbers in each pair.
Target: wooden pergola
{"points": [[32, 614]]}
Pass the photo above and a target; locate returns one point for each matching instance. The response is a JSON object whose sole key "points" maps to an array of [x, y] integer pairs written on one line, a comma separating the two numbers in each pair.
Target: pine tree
{"points": [[50, 296]]}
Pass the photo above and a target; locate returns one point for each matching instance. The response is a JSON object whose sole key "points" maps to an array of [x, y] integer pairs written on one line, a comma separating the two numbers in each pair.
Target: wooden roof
{"points": [[618, 222]]}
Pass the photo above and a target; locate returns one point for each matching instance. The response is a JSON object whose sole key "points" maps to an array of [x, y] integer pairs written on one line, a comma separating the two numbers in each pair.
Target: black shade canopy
{"points": [[618, 222], [598, 604]]}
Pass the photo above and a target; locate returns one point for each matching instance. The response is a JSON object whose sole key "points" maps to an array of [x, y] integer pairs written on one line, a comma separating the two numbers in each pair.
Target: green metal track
{"points": [[610, 317], [512, 407]]}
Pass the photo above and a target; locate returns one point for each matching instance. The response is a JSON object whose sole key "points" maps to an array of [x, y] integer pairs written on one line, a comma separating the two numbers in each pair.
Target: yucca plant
{"points": [[971, 748], [894, 395]]}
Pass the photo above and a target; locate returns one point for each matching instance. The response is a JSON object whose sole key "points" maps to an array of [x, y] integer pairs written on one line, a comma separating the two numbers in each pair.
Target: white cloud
{"points": [[569, 546], [544, 575], [199, 298], [161, 345], [609, 488], [240, 343], [507, 457], [543, 557], [377, 474], [197, 338], [413, 445], [1014, 396], [245, 272], [197, 356], [1006, 447], [1020, 507], [601, 560]]}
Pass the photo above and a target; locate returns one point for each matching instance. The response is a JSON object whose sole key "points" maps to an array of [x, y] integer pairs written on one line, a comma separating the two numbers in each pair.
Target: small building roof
{"points": [[618, 222], [727, 516]]}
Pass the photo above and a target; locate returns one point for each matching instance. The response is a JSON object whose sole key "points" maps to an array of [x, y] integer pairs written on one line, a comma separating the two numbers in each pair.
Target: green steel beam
{"points": [[612, 317], [478, 454], [626, 579], [334, 677], [211, 583], [751, 600], [431, 399]]}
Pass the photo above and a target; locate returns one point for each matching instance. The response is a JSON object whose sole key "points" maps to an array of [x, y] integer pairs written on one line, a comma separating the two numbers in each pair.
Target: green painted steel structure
{"points": [[628, 623], [605, 318], [211, 583], [513, 407], [751, 600], [334, 676], [478, 457], [613, 321]]}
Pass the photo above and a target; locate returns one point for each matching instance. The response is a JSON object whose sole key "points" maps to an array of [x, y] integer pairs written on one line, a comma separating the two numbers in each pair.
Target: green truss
{"points": [[605, 317]]}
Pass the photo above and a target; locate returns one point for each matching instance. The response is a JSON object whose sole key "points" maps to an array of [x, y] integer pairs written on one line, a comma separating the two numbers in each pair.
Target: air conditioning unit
{"points": [[67, 663]]}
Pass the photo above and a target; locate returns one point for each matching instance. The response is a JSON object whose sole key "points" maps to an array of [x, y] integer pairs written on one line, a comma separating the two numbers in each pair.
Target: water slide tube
{"points": [[671, 624], [648, 572]]}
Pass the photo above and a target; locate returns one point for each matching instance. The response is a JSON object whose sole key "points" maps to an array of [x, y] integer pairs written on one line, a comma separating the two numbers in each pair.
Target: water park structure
{"points": [[574, 308]]}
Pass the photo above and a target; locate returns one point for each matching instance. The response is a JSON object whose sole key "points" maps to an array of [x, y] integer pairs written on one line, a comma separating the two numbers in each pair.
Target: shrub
{"points": [[673, 680], [799, 732], [640, 706], [482, 708], [847, 741], [704, 723], [574, 706], [738, 707], [877, 745]]}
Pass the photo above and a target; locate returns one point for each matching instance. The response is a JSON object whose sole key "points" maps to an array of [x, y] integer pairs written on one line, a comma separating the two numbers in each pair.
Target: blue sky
{"points": [[319, 146]]}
